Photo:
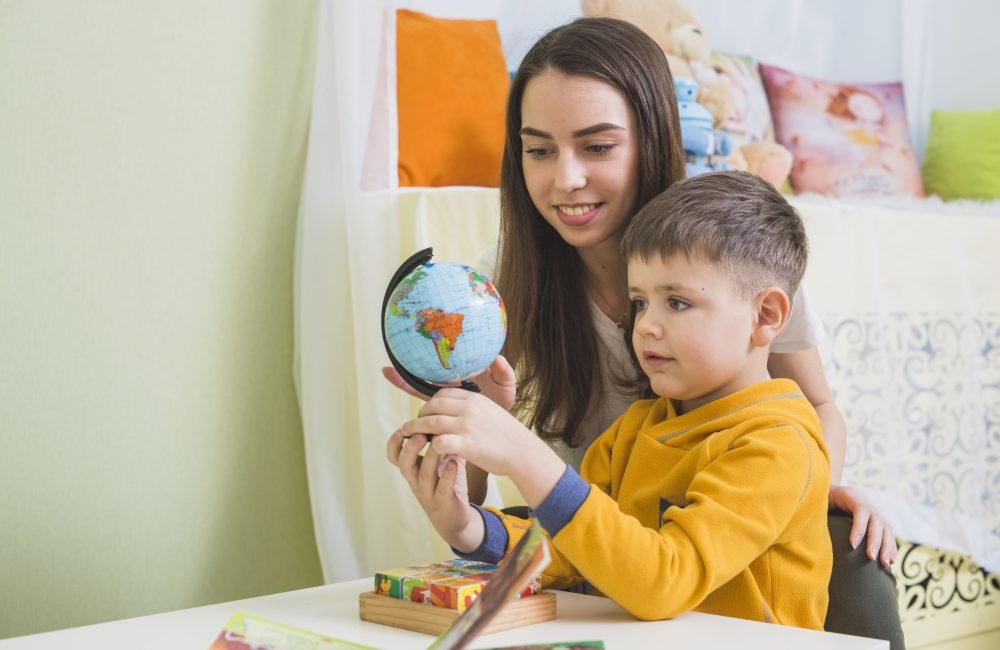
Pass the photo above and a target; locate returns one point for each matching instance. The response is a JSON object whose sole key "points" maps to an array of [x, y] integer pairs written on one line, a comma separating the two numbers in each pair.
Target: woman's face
{"points": [[580, 157]]}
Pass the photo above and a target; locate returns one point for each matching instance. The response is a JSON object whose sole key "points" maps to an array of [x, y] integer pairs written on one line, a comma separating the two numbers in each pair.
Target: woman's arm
{"points": [[806, 369]]}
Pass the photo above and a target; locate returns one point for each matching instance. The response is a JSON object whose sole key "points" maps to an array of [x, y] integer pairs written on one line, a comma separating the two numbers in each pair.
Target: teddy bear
{"points": [[681, 36]]}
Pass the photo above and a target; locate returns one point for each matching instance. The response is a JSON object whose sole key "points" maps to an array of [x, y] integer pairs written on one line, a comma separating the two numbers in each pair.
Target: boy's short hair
{"points": [[734, 219]]}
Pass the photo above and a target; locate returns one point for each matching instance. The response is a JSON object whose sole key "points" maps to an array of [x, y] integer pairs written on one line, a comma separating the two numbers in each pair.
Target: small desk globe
{"points": [[442, 322]]}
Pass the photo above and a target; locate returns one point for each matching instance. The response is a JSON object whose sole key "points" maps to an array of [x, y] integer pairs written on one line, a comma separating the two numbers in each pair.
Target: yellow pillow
{"points": [[451, 85]]}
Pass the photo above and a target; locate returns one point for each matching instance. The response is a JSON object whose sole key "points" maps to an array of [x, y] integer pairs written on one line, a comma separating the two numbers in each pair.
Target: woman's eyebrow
{"points": [[597, 128], [590, 130]]}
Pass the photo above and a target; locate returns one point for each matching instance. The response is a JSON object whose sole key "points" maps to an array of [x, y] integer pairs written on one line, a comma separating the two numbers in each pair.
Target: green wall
{"points": [[151, 453]]}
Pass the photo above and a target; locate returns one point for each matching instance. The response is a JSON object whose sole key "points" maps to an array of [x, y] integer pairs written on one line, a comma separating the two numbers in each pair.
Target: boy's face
{"points": [[692, 330]]}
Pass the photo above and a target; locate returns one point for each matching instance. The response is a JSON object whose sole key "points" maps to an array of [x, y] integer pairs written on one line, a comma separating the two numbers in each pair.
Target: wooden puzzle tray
{"points": [[428, 619]]}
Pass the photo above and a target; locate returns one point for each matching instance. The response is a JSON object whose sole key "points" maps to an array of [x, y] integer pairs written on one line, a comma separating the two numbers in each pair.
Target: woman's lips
{"points": [[578, 214]]}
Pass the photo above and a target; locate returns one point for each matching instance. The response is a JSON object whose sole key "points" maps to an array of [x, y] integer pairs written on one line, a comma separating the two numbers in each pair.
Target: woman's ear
{"points": [[772, 309]]}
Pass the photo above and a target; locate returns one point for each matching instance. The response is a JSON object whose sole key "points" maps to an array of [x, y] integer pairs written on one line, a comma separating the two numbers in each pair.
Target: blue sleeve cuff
{"points": [[494, 541], [562, 503]]}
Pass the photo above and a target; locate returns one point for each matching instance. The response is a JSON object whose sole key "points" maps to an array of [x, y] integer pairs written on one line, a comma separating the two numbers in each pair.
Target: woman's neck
{"points": [[606, 279]]}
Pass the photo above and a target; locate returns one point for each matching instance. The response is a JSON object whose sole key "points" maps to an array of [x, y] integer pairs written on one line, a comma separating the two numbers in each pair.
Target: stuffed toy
{"points": [[682, 38], [704, 147], [769, 160]]}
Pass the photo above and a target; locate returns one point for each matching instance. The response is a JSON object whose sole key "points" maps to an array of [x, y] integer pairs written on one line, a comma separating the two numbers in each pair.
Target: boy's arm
{"points": [[503, 532], [559, 504], [739, 504]]}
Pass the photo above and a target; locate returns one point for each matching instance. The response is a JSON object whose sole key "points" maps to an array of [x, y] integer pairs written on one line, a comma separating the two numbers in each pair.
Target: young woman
{"points": [[592, 134]]}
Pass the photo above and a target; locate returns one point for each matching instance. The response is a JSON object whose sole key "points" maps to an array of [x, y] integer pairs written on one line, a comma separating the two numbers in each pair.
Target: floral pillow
{"points": [[750, 120], [847, 139]]}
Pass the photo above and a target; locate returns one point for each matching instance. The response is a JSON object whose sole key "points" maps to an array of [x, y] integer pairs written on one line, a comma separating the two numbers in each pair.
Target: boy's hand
{"points": [[497, 382], [471, 426], [441, 488], [881, 542]]}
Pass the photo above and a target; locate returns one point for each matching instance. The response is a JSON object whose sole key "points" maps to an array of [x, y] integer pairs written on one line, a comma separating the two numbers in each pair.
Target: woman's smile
{"points": [[579, 214]]}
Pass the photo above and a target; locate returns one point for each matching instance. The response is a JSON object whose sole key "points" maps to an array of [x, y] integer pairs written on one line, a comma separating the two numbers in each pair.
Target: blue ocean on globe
{"points": [[445, 322]]}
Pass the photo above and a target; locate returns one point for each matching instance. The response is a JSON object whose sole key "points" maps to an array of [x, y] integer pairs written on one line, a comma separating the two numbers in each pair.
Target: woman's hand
{"points": [[439, 483], [497, 382], [881, 540]]}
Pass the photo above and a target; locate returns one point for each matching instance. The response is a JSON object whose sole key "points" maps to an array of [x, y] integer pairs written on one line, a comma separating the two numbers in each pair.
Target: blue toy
{"points": [[702, 144]]}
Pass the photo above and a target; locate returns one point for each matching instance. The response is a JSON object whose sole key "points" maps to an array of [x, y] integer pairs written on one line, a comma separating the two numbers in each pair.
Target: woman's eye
{"points": [[677, 305], [599, 148], [536, 152]]}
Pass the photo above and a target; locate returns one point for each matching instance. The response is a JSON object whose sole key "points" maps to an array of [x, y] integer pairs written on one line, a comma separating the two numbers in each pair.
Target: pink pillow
{"points": [[847, 139]]}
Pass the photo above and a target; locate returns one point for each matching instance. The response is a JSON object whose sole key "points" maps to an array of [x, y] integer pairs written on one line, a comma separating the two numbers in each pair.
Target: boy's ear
{"points": [[772, 309]]}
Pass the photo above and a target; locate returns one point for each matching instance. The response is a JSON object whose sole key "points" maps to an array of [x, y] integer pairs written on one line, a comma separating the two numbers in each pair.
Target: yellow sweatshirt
{"points": [[720, 510]]}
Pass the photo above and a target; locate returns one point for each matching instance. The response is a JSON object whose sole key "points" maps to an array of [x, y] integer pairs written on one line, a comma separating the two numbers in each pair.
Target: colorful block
{"points": [[418, 588], [454, 584], [390, 582], [457, 593]]}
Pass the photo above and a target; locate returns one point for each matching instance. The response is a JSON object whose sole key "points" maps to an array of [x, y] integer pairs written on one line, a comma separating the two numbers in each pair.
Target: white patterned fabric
{"points": [[912, 352]]}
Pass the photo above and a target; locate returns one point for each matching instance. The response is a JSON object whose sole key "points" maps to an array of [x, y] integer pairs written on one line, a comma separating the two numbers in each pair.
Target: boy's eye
{"points": [[638, 304], [677, 304]]}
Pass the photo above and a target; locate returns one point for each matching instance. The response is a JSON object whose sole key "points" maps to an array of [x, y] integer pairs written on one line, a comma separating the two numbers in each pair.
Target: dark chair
{"points": [[863, 598]]}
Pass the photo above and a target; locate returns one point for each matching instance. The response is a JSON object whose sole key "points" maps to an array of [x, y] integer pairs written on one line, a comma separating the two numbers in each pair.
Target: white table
{"points": [[333, 610]]}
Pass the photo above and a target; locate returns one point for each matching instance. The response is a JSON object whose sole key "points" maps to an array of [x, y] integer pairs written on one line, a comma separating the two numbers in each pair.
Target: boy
{"points": [[712, 497]]}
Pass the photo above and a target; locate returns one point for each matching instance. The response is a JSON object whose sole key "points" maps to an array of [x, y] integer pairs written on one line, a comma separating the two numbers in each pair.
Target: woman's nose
{"points": [[571, 174]]}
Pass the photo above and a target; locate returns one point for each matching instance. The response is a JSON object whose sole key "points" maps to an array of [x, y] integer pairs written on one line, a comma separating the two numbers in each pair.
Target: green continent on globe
{"points": [[403, 291], [441, 328], [481, 286]]}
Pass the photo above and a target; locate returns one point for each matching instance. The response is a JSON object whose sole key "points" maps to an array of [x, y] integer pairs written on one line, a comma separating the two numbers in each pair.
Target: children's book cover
{"points": [[248, 632], [566, 645]]}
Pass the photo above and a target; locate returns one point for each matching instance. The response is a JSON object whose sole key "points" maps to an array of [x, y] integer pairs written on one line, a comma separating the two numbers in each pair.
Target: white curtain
{"points": [[355, 227], [364, 515]]}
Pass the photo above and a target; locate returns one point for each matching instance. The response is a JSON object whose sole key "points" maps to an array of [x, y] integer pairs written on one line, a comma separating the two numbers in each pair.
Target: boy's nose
{"points": [[647, 327]]}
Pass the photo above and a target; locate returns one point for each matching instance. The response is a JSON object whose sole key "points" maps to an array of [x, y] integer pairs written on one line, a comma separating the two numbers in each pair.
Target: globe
{"points": [[444, 322]]}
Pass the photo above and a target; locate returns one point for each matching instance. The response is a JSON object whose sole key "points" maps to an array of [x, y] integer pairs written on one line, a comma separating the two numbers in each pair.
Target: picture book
{"points": [[522, 565], [247, 632]]}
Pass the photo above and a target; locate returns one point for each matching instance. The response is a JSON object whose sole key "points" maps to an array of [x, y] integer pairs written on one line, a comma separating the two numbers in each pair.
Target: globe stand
{"points": [[421, 385]]}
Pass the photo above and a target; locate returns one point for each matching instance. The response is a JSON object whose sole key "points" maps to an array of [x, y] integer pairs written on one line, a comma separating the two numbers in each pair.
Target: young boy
{"points": [[712, 497]]}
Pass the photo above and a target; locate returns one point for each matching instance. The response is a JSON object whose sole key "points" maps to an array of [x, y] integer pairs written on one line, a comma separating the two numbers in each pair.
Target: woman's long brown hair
{"points": [[551, 339]]}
